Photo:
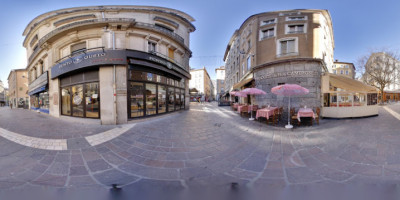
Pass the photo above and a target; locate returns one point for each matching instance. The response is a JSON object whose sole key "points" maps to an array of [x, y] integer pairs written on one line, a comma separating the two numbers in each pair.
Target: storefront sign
{"points": [[287, 74], [39, 84], [89, 59], [156, 59]]}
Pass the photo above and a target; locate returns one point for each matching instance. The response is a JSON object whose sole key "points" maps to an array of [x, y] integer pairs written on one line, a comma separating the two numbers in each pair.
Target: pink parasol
{"points": [[289, 90], [254, 91], [233, 93], [240, 94]]}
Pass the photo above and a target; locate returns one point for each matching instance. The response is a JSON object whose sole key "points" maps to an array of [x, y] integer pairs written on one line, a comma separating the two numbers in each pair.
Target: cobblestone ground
{"points": [[207, 148]]}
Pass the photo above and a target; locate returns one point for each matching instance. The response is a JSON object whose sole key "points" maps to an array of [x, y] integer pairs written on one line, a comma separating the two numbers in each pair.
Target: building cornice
{"points": [[49, 15]]}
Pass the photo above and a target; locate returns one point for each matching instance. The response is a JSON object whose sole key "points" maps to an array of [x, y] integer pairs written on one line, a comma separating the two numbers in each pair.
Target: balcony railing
{"points": [[159, 29]]}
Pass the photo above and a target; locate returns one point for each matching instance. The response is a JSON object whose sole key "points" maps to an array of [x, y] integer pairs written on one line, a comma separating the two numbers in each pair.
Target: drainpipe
{"points": [[114, 83]]}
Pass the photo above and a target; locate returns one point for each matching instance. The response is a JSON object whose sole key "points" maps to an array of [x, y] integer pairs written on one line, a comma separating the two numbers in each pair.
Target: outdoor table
{"points": [[265, 112], [305, 112], [252, 108], [241, 107]]}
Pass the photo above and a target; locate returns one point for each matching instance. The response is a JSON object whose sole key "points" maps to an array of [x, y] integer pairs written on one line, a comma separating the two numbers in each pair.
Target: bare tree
{"points": [[379, 69]]}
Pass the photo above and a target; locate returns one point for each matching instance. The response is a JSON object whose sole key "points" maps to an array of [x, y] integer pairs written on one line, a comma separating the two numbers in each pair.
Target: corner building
{"points": [[278, 47], [112, 63]]}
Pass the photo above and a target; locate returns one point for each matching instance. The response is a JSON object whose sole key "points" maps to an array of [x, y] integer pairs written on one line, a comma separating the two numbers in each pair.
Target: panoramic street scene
{"points": [[203, 100]]}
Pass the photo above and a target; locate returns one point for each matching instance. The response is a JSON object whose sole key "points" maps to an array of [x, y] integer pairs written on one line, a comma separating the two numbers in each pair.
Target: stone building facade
{"points": [[202, 82], [18, 88], [274, 48], [112, 63]]}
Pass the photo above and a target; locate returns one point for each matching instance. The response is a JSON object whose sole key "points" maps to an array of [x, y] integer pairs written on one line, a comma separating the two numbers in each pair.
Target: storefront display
{"points": [[154, 94]]}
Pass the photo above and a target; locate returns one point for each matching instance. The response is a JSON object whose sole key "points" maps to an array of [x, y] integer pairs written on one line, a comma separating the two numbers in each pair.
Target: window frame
{"points": [[279, 50], [264, 30], [287, 28], [152, 44]]}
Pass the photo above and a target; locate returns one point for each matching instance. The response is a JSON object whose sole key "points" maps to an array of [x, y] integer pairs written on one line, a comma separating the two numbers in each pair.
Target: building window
{"points": [[171, 53], [248, 63], [78, 48], [334, 71], [341, 71], [41, 67], [269, 21], [248, 44], [334, 66], [287, 47], [347, 72], [151, 46], [346, 66], [296, 18], [267, 33], [298, 28]]}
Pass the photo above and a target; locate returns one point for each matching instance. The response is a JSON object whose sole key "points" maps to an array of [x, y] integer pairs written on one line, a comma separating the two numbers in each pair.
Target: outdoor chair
{"points": [[280, 113], [317, 111], [244, 110], [274, 118], [293, 117]]}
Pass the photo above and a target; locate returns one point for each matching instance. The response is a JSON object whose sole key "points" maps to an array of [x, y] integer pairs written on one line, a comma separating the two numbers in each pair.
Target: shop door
{"points": [[136, 99]]}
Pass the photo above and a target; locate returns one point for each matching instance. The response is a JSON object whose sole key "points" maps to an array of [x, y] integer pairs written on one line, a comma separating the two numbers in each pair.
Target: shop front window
{"points": [[177, 99], [359, 99], [137, 105], [333, 100], [77, 101], [345, 100], [92, 100], [44, 100], [182, 99], [66, 101], [151, 99], [171, 99], [162, 98], [372, 99]]}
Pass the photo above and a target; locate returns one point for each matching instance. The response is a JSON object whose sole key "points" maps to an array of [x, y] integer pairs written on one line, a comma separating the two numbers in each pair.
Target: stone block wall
{"points": [[304, 73]]}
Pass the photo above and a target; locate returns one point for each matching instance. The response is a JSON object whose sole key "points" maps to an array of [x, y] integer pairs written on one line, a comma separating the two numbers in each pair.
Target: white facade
{"points": [[202, 82]]}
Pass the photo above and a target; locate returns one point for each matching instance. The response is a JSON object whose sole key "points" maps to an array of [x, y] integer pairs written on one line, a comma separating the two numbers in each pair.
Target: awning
{"points": [[244, 81], [37, 90], [349, 85]]}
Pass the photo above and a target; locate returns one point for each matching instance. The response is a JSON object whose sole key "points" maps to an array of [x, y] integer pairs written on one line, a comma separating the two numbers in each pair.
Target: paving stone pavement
{"points": [[207, 148]]}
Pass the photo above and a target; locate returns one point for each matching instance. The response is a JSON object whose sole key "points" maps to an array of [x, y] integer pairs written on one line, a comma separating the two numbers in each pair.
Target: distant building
{"points": [[3, 96], [18, 88], [202, 82], [343, 68], [220, 82]]}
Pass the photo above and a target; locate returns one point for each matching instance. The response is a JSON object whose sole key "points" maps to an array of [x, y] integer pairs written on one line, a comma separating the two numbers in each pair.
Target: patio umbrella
{"points": [[289, 90], [253, 91]]}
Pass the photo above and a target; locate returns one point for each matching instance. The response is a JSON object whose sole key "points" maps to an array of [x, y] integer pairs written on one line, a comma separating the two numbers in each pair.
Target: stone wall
{"points": [[304, 73]]}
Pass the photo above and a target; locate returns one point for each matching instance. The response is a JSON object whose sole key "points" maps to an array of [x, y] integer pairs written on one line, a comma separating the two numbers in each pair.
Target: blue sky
{"points": [[359, 25]]}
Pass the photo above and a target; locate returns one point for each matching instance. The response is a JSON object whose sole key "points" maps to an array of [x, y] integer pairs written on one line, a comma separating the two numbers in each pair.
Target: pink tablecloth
{"points": [[235, 105], [253, 107], [265, 112], [305, 112], [241, 107]]}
